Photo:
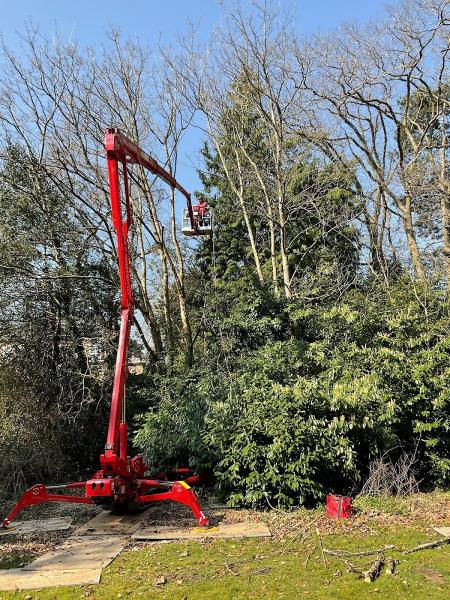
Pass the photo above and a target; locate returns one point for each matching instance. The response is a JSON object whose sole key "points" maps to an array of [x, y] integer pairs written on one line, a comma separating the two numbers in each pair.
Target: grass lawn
{"points": [[288, 566]]}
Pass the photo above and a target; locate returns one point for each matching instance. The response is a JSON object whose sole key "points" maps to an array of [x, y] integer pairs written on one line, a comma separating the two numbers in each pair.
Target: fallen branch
{"points": [[434, 544], [344, 553], [374, 571], [353, 569], [371, 574], [308, 556], [300, 534]]}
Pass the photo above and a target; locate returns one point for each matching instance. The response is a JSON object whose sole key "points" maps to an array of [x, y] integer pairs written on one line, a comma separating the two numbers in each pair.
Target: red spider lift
{"points": [[121, 480]]}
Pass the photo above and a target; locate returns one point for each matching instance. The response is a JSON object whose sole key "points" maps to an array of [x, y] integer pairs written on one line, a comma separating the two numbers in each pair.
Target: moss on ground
{"points": [[14, 559], [288, 566], [266, 569]]}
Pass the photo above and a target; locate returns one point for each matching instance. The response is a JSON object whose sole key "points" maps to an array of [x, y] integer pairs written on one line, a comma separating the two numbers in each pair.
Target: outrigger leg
{"points": [[39, 494], [177, 491]]}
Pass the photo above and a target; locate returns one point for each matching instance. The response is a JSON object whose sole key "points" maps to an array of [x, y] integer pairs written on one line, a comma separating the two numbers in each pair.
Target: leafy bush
{"points": [[171, 433], [281, 444], [305, 412]]}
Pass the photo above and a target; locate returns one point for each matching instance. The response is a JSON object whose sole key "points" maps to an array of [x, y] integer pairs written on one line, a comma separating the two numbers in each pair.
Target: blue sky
{"points": [[88, 19], [152, 20]]}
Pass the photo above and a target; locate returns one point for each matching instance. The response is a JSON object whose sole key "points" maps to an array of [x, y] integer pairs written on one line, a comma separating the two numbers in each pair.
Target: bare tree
{"points": [[57, 105], [246, 72], [198, 76], [361, 87], [257, 50]]}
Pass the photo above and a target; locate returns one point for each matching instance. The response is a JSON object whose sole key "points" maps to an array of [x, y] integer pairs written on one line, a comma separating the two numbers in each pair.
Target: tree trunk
{"points": [[445, 208], [180, 284], [238, 191], [416, 257], [271, 220], [166, 305], [445, 198], [376, 230], [187, 332], [273, 257], [284, 257]]}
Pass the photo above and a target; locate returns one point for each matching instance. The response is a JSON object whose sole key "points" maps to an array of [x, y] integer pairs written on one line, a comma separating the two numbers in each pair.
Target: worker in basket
{"points": [[200, 211]]}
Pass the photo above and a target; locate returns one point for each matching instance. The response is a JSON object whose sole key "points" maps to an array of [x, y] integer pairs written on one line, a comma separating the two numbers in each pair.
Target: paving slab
{"points": [[107, 524], [78, 553], [18, 579], [79, 561], [37, 526], [226, 530], [443, 531]]}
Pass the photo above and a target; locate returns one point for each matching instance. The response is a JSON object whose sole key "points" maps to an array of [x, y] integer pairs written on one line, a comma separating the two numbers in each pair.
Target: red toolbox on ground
{"points": [[339, 506]]}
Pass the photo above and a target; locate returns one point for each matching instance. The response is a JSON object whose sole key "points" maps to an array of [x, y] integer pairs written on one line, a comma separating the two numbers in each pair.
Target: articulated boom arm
{"points": [[120, 149]]}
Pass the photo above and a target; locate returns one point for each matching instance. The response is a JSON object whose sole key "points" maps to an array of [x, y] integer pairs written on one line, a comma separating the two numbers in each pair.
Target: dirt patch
{"points": [[20, 552], [78, 512], [170, 514], [431, 575], [421, 510]]}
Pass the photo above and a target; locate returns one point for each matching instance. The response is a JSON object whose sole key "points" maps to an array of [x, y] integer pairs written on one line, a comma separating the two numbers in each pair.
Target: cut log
{"points": [[390, 565], [371, 574]]}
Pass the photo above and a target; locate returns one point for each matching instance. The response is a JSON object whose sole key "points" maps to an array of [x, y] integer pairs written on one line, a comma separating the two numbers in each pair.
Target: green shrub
{"points": [[171, 433], [305, 412], [284, 445]]}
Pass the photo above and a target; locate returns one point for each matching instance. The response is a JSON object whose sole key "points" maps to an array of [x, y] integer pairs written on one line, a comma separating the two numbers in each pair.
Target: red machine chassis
{"points": [[121, 481]]}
